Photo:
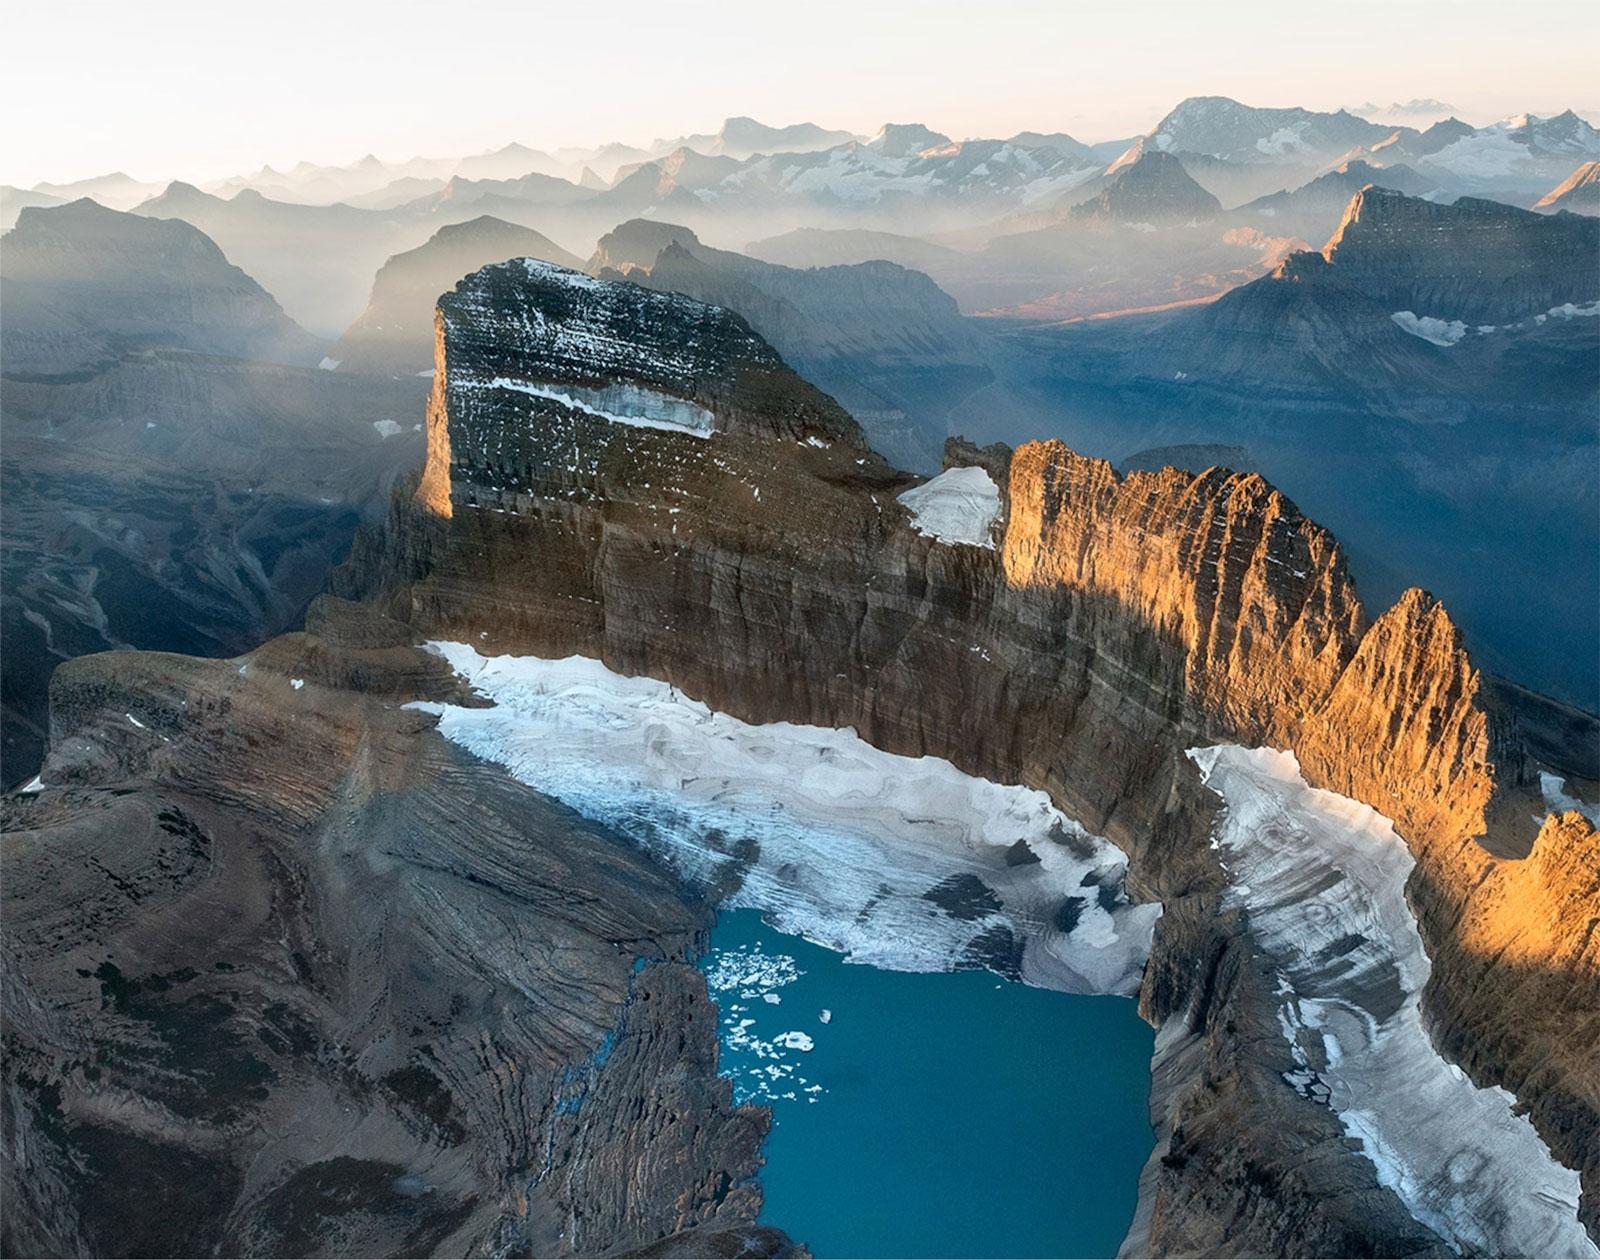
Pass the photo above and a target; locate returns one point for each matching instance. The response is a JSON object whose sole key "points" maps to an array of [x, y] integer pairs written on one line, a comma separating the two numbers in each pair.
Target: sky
{"points": [[197, 90]]}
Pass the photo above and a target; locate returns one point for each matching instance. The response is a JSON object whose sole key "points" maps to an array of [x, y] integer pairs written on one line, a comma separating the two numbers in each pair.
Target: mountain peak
{"points": [[906, 139], [1154, 188]]}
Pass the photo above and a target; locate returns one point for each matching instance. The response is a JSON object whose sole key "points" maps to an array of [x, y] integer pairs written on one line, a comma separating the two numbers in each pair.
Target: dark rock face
{"points": [[85, 285], [659, 357], [1477, 261], [339, 989], [1154, 189], [1325, 320], [884, 341], [1124, 620], [395, 332]]}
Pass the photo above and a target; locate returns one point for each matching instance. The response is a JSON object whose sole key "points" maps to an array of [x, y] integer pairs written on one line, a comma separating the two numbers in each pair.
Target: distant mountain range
{"points": [[85, 285]]}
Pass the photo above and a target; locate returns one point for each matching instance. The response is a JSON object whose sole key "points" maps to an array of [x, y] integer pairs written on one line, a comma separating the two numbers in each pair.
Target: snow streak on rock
{"points": [[1322, 878], [901, 862]]}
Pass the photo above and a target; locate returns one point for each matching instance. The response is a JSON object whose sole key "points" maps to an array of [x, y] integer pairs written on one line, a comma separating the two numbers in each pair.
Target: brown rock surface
{"points": [[287, 974]]}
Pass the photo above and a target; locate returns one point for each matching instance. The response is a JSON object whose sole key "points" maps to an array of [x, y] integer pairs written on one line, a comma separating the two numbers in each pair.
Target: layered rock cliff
{"points": [[1478, 261], [1121, 620], [883, 340]]}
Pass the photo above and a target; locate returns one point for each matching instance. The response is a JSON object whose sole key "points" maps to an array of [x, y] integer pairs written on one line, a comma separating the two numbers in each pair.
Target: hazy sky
{"points": [[165, 88]]}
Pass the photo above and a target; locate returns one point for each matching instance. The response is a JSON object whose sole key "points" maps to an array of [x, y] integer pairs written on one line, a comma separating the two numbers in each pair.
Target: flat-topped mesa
{"points": [[538, 367], [1473, 260]]}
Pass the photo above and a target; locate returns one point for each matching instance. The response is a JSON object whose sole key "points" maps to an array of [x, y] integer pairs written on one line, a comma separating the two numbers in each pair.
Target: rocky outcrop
{"points": [[395, 333], [1409, 304], [1314, 210], [1476, 261], [85, 285]]}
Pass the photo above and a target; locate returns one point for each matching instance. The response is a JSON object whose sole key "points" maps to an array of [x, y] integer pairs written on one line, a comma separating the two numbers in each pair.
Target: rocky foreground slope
{"points": [[637, 477]]}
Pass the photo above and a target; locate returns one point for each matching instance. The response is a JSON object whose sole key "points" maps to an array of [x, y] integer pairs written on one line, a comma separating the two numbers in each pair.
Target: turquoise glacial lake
{"points": [[914, 1114]]}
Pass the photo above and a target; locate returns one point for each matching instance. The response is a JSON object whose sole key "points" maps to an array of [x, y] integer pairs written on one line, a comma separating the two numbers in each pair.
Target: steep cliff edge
{"points": [[768, 570]]}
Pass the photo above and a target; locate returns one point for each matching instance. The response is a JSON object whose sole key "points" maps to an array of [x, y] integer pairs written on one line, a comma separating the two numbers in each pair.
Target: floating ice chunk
{"points": [[771, 999], [386, 428], [825, 1016], [427, 374], [795, 1041], [1438, 331], [330, 365], [960, 505], [1322, 878]]}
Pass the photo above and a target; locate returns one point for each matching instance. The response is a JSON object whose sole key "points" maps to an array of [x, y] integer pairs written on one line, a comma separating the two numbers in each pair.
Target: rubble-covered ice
{"points": [[900, 862], [960, 505], [1322, 878]]}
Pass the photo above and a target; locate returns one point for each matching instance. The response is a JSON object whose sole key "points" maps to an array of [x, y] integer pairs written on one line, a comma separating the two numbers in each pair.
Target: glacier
{"points": [[1322, 880], [903, 863]]}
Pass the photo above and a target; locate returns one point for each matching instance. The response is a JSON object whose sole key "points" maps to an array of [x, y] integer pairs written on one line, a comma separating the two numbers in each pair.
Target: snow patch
{"points": [[1558, 800], [1438, 331], [1322, 878], [960, 505], [297, 683], [621, 403]]}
